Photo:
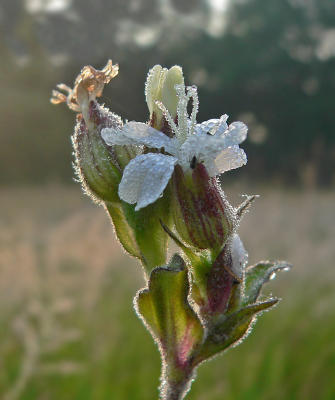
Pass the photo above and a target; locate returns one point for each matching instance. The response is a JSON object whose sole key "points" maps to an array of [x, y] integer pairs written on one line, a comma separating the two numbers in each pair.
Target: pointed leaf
{"points": [[231, 330], [122, 229], [257, 275], [191, 255], [245, 205], [167, 313]]}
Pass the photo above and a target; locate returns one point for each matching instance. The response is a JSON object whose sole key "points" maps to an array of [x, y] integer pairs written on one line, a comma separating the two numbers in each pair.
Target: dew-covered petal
{"points": [[230, 158], [116, 136], [212, 150], [213, 126], [239, 255], [145, 178], [203, 147], [148, 136], [137, 133], [236, 133]]}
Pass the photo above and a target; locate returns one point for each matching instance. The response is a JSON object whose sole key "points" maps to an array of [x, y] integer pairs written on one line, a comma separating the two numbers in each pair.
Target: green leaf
{"points": [[165, 310], [201, 265], [257, 275], [196, 258], [123, 231], [140, 232], [231, 329], [148, 232]]}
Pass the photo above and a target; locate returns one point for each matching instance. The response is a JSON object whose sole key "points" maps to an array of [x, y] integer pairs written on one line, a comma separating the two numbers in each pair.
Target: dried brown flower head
{"points": [[88, 85]]}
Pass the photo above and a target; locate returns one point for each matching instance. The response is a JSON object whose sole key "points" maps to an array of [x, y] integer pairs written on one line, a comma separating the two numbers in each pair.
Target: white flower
{"points": [[213, 143]]}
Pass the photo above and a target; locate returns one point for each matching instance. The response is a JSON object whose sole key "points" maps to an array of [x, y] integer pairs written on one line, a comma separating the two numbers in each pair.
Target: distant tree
{"points": [[274, 65], [42, 45]]}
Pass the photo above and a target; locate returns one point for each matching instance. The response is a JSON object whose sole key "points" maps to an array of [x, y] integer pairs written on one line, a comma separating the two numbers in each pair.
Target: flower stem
{"points": [[176, 382]]}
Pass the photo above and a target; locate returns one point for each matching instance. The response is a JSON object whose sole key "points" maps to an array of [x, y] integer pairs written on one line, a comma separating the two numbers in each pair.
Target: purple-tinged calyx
{"points": [[203, 217], [227, 271]]}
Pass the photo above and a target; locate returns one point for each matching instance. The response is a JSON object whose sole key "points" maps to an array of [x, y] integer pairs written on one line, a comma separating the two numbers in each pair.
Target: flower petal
{"points": [[138, 133], [145, 178], [230, 158], [213, 126], [201, 146], [147, 135], [115, 136], [236, 133], [204, 147]]}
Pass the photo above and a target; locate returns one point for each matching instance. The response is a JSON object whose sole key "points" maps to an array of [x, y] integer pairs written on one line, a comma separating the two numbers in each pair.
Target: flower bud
{"points": [[98, 166], [225, 277], [160, 88], [202, 216]]}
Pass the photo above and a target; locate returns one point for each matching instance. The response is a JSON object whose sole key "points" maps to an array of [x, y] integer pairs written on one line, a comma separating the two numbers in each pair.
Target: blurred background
{"points": [[67, 327]]}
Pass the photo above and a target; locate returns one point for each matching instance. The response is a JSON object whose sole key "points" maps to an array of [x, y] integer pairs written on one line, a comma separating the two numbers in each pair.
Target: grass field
{"points": [[68, 330]]}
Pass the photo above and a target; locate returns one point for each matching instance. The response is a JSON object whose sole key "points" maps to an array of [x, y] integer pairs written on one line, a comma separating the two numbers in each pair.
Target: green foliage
{"points": [[140, 232], [183, 339], [231, 329], [165, 309], [257, 275]]}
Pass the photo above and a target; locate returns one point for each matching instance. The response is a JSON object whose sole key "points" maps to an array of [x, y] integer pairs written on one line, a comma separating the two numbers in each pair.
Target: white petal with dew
{"points": [[201, 146], [145, 178], [239, 255], [236, 133], [206, 148], [115, 136], [230, 158], [138, 133], [213, 126]]}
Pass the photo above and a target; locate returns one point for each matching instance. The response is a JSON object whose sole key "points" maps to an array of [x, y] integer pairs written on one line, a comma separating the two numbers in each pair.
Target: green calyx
{"points": [[94, 163]]}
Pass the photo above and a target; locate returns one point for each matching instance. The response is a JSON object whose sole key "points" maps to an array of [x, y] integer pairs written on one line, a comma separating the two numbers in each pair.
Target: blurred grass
{"points": [[66, 304]]}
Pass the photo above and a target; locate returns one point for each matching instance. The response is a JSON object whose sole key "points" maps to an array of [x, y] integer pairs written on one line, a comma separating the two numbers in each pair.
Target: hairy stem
{"points": [[176, 382]]}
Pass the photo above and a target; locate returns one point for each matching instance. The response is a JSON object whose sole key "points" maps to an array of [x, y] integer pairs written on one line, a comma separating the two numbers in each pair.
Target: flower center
{"points": [[185, 125]]}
